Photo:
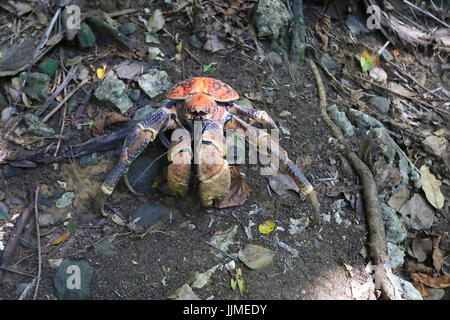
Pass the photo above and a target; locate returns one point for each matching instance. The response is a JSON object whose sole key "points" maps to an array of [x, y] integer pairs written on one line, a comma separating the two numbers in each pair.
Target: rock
{"points": [[395, 255], [417, 213], [143, 113], [127, 28], [380, 103], [112, 90], [152, 37], [37, 85], [3, 102], [421, 249], [65, 200], [20, 287], [36, 126], [4, 212], [156, 21], [154, 53], [435, 294], [134, 95], [48, 66], [85, 36], [143, 172], [398, 199], [378, 74], [155, 82], [255, 257], [274, 58], [194, 41], [45, 202], [88, 160], [8, 113], [148, 214], [57, 193], [407, 288], [395, 230], [271, 18], [341, 120], [10, 171], [356, 24], [434, 145], [104, 248], [73, 279], [285, 114], [72, 104]]}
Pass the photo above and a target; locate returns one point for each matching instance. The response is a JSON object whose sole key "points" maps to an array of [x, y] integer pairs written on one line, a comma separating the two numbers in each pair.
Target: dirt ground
{"points": [[166, 258]]}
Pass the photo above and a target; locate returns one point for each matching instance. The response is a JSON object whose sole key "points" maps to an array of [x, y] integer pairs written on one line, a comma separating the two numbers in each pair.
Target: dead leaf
{"points": [[282, 183], [421, 248], [432, 187], [440, 282], [60, 239], [386, 175], [398, 199], [239, 190], [411, 266], [417, 214], [400, 90], [104, 119], [438, 259]]}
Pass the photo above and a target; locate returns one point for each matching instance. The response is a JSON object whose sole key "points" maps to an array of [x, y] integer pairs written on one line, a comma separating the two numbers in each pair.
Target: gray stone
{"points": [[148, 214], [143, 113], [356, 24], [152, 37], [274, 58], [4, 212], [49, 66], [194, 41], [380, 103], [143, 172], [37, 127], [155, 82], [10, 171], [37, 85], [271, 18], [113, 91], [435, 294], [393, 224], [65, 200], [85, 36], [135, 94], [407, 288], [20, 287], [154, 52], [104, 248], [127, 28], [73, 279], [88, 160], [395, 255]]}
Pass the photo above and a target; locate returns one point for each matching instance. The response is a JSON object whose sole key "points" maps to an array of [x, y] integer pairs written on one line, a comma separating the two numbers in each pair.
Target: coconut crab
{"points": [[209, 104]]}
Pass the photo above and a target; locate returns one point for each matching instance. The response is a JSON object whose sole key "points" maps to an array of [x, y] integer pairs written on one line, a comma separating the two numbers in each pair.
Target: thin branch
{"points": [[38, 235]]}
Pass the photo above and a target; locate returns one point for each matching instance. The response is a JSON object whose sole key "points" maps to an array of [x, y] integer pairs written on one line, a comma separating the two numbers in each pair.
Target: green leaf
{"points": [[71, 226], [241, 285], [233, 284], [91, 123], [366, 62], [207, 67]]}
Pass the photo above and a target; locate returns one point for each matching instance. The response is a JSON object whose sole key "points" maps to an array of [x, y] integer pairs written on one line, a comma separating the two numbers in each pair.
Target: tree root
{"points": [[377, 242]]}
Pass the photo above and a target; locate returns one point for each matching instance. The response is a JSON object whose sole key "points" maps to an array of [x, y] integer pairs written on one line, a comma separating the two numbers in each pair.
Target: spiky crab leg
{"points": [[144, 133], [263, 141], [260, 116]]}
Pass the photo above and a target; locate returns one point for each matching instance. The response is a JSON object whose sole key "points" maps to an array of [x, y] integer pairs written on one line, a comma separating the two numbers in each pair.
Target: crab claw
{"points": [[213, 169]]}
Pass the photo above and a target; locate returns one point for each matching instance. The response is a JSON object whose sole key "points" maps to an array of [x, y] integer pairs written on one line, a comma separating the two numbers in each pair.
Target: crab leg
{"points": [[260, 116], [262, 139], [180, 154], [144, 133]]}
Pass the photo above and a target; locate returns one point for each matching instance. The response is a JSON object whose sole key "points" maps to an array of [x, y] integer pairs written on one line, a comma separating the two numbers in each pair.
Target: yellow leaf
{"points": [[432, 187], [266, 227], [61, 238], [233, 284], [101, 72], [241, 285], [180, 47]]}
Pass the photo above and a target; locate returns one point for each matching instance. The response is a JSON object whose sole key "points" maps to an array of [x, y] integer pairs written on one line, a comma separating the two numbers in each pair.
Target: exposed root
{"points": [[377, 242]]}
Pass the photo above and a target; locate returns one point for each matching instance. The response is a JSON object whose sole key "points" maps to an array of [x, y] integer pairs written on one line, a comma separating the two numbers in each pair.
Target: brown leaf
{"points": [[411, 266], [432, 187], [239, 191], [104, 119], [282, 183], [438, 259], [440, 282]]}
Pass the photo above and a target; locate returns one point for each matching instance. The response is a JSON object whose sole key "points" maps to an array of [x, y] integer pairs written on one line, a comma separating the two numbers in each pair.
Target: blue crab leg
{"points": [[262, 139], [144, 133]]}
